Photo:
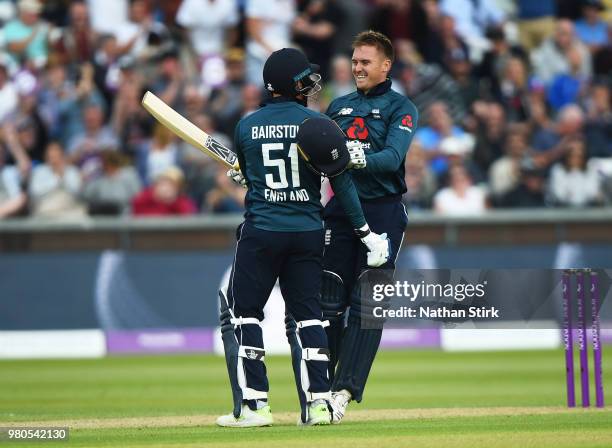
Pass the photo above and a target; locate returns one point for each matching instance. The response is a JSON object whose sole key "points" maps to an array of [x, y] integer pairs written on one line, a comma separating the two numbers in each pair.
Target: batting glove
{"points": [[379, 246], [236, 176], [357, 154]]}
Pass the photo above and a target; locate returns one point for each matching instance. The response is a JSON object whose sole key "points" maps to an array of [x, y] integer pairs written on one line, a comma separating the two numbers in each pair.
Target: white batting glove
{"points": [[379, 248], [358, 159], [236, 176]]}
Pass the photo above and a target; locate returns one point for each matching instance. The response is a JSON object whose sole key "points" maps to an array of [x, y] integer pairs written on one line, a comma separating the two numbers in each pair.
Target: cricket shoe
{"points": [[318, 414], [339, 403], [248, 418]]}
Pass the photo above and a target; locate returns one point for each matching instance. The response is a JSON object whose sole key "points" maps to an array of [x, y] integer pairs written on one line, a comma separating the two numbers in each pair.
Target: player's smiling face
{"points": [[370, 66]]}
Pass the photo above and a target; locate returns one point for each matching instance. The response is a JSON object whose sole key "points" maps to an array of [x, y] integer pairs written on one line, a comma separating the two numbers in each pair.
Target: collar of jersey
{"points": [[278, 99], [378, 89]]}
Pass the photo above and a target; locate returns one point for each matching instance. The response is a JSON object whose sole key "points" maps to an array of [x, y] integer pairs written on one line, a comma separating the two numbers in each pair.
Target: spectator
{"points": [[251, 100], [461, 197], [55, 186], [460, 69], [491, 68], [514, 90], [27, 36], [208, 24], [8, 91], [472, 19], [13, 199], [170, 83], [504, 174], [314, 29], [107, 67], [95, 136], [268, 28], [490, 137], [112, 192], [195, 100], [572, 182], [165, 197], [591, 29], [159, 154], [420, 180], [78, 40], [539, 118], [531, 190], [28, 137], [131, 123], [355, 20], [598, 127], [443, 41], [425, 84], [84, 148], [536, 21], [225, 196], [142, 37], [549, 143], [226, 101], [73, 102], [551, 59], [566, 88], [55, 86], [439, 127], [341, 82]]}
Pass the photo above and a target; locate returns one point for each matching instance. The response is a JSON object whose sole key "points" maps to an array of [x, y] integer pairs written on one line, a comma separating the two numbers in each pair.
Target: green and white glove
{"points": [[379, 246], [357, 154], [236, 175]]}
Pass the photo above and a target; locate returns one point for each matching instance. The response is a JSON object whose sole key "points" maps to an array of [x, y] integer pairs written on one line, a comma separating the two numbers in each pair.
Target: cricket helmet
{"points": [[322, 144], [285, 68]]}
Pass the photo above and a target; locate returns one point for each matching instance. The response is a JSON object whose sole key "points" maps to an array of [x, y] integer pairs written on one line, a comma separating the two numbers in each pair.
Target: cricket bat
{"points": [[188, 131]]}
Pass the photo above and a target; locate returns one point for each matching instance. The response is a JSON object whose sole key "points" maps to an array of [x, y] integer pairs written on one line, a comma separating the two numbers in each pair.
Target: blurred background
{"points": [[109, 223]]}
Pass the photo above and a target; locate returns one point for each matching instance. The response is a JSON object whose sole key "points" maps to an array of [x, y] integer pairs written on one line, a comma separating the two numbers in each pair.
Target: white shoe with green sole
{"points": [[248, 418], [318, 414]]}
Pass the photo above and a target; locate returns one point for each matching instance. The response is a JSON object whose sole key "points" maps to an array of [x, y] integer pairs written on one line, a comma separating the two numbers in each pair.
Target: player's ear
{"points": [[386, 66]]}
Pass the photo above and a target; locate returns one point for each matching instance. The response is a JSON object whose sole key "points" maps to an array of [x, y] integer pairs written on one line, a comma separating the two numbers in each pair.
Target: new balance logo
{"points": [[346, 111], [328, 237], [335, 154]]}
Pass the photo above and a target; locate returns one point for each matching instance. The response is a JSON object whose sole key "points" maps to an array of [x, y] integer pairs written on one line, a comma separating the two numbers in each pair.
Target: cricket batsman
{"points": [[380, 124], [283, 150]]}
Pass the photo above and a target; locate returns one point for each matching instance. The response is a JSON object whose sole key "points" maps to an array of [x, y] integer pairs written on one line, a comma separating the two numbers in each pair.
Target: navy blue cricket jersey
{"points": [[386, 122], [283, 193]]}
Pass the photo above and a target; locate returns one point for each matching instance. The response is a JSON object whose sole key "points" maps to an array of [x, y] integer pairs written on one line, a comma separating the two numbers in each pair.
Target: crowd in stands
{"points": [[514, 98]]}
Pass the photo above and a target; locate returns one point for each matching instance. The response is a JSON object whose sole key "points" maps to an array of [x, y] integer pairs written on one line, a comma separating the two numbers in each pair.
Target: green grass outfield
{"points": [[414, 398]]}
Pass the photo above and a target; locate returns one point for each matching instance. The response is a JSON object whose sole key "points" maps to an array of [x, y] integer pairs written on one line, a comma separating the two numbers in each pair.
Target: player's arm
{"points": [[236, 173], [402, 128], [346, 194]]}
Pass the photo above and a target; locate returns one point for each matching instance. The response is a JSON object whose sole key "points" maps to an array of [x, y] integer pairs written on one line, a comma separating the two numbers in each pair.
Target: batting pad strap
{"points": [[245, 321], [312, 396], [315, 354], [249, 352], [252, 394], [312, 322]]}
